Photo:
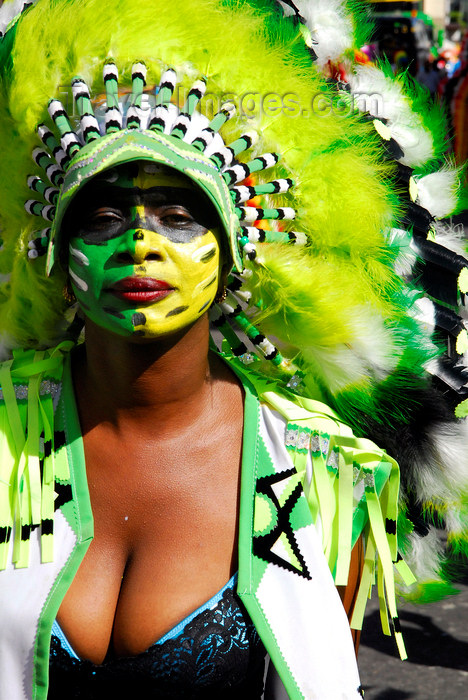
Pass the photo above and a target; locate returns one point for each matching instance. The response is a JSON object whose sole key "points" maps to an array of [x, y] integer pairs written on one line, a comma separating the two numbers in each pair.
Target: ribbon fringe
{"points": [[27, 471]]}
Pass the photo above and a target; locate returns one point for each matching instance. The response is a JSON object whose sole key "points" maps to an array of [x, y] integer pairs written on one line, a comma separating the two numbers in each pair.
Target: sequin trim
{"points": [[47, 387]]}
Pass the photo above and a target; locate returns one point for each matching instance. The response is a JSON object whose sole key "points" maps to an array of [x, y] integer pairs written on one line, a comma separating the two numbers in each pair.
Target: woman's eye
{"points": [[177, 217], [101, 219]]}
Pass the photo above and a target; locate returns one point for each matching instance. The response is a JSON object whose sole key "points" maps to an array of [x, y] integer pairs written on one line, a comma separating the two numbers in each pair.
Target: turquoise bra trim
{"points": [[174, 632], [211, 603], [60, 634]]}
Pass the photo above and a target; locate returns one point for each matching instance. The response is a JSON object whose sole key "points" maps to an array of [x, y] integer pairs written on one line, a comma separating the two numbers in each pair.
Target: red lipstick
{"points": [[141, 290]]}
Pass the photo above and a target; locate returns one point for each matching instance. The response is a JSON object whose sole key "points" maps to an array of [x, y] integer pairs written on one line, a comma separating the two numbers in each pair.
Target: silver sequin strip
{"points": [[299, 439], [304, 440], [47, 387], [315, 443], [333, 460]]}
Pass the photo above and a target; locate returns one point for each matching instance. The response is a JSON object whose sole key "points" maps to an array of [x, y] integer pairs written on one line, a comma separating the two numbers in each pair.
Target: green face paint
{"points": [[144, 257]]}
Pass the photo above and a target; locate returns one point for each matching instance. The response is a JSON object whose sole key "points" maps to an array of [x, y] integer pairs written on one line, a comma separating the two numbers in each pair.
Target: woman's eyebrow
{"points": [[124, 198], [120, 197], [129, 196]]}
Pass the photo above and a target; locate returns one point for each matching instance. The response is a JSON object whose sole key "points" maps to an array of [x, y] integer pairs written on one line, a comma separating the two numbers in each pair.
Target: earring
{"points": [[68, 294], [221, 296]]}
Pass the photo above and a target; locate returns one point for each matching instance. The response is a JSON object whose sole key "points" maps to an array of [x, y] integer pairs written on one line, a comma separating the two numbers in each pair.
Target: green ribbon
{"points": [[332, 496], [25, 499]]}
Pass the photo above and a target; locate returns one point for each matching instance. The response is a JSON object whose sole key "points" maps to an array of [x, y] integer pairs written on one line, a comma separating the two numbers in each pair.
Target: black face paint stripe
{"points": [[202, 216], [208, 256], [138, 319], [204, 306], [112, 195], [182, 234], [210, 283], [178, 310], [112, 312]]}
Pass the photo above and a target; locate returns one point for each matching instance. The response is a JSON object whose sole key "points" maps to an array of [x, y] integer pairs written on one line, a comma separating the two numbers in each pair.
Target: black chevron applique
{"points": [[266, 544]]}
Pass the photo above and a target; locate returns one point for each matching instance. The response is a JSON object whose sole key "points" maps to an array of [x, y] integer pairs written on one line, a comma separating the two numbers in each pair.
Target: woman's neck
{"points": [[119, 381]]}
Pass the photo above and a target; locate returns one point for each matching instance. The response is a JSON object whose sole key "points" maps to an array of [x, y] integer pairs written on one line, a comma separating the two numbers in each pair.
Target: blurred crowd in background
{"points": [[433, 48]]}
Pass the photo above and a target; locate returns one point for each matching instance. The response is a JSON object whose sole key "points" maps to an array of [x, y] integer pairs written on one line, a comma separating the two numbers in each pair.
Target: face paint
{"points": [[145, 259]]}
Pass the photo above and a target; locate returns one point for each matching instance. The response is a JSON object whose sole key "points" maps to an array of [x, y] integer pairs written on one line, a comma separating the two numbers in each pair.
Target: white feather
{"points": [[384, 98], [404, 263], [401, 240], [437, 192], [416, 142], [390, 99], [424, 311], [451, 237], [424, 556], [11, 9], [441, 474], [371, 354], [331, 26], [287, 9], [456, 520]]}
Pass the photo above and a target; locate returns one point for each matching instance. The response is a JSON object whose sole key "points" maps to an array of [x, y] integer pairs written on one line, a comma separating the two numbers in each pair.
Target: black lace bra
{"points": [[214, 653]]}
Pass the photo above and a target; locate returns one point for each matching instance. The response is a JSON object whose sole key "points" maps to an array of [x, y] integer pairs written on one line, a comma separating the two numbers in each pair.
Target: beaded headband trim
{"points": [[180, 138]]}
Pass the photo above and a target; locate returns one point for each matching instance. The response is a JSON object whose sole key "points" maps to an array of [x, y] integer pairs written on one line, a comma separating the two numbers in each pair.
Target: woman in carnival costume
{"points": [[146, 468]]}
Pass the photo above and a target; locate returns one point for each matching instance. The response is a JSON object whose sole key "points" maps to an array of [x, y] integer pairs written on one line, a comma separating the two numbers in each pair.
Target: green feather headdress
{"points": [[323, 303], [345, 280]]}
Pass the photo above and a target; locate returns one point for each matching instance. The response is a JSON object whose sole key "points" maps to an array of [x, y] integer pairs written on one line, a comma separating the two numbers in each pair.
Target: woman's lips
{"points": [[141, 289]]}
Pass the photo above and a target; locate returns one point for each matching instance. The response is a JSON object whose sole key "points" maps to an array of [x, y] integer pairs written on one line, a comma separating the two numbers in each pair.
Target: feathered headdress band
{"points": [[182, 139]]}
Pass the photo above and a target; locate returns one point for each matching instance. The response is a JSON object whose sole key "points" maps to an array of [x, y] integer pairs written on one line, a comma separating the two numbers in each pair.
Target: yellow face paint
{"points": [[145, 260], [151, 175], [192, 271]]}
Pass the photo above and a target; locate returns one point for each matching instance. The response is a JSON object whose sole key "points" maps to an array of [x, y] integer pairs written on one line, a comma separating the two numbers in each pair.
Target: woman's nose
{"points": [[137, 248]]}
